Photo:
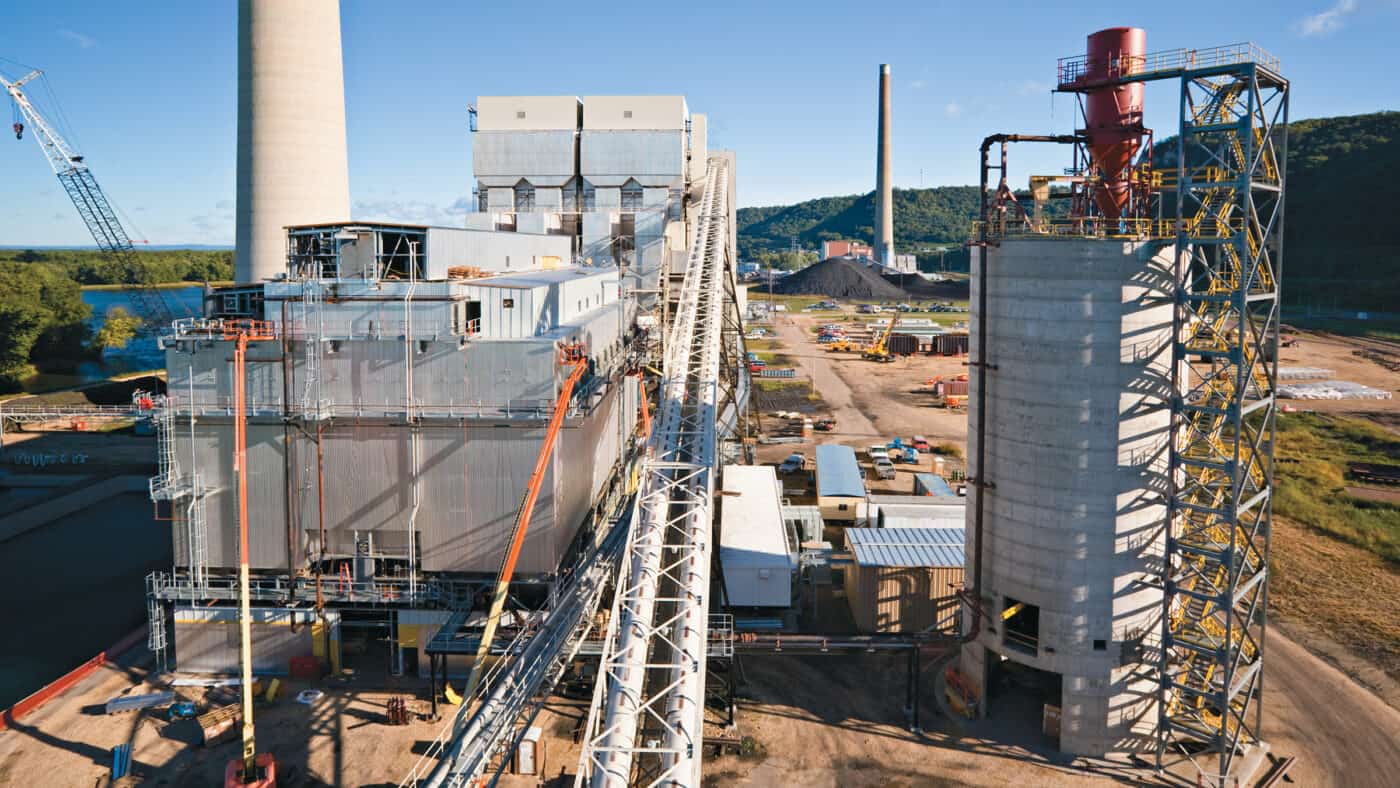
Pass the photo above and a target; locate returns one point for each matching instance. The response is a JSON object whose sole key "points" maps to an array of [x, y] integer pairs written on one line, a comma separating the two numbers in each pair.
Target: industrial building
{"points": [[400, 377], [619, 175], [1121, 410]]}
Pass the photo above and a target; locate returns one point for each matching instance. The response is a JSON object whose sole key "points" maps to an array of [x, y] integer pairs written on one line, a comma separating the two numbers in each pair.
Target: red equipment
{"points": [[1113, 113]]}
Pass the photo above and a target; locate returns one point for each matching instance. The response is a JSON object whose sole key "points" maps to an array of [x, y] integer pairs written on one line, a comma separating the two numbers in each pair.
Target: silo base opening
{"points": [[1023, 701]]}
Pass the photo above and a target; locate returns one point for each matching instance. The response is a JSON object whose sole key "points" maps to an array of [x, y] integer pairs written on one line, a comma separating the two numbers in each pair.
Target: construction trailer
{"points": [[904, 580], [840, 487], [916, 511], [757, 553]]}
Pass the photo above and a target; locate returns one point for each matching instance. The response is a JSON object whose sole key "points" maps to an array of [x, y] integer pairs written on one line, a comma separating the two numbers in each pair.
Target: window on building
{"points": [[570, 195], [589, 195], [520, 115], [631, 195], [627, 113], [524, 196], [481, 202]]}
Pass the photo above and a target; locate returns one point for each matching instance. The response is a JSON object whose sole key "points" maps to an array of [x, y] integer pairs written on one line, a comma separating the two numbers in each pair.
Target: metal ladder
{"points": [[155, 623], [312, 405]]}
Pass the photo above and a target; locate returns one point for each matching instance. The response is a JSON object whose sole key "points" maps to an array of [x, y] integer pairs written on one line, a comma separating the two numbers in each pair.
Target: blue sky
{"points": [[148, 89]]}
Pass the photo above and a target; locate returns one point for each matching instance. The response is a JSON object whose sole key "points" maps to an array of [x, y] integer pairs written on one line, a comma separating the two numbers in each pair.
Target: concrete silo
{"points": [[292, 161], [1077, 417]]}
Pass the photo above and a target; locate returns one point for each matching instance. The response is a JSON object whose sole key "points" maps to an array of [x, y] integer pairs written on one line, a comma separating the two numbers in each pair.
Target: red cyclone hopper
{"points": [[1113, 114]]}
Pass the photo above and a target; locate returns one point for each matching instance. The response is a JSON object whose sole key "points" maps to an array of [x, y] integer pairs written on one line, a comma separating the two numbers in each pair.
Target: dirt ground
{"points": [[1335, 352], [870, 400]]}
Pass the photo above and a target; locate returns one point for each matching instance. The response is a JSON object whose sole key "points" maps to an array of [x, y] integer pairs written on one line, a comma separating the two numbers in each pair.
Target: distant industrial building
{"points": [[916, 511], [832, 249]]}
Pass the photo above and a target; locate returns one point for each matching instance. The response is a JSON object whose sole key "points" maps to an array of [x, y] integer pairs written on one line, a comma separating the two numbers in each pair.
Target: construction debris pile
{"points": [[838, 277], [1330, 389]]}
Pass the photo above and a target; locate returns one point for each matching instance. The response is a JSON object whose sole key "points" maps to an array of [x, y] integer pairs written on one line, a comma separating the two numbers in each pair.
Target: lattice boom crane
{"points": [[92, 204]]}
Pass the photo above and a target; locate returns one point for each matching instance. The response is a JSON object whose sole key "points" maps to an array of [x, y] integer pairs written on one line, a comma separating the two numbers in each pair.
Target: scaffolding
{"points": [[1231, 153]]}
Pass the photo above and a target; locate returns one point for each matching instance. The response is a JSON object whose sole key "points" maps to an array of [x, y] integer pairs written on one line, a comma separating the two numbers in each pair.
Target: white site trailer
{"points": [[755, 551]]}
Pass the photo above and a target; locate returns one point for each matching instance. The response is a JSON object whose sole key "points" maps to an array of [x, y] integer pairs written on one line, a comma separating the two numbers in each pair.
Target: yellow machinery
{"points": [[879, 349]]}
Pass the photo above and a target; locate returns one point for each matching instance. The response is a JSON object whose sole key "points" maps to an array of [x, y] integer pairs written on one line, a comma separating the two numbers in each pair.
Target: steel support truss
{"points": [[645, 724], [1231, 153]]}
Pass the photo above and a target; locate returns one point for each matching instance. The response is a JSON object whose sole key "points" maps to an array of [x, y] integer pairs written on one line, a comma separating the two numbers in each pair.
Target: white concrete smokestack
{"points": [[292, 162], [884, 186]]}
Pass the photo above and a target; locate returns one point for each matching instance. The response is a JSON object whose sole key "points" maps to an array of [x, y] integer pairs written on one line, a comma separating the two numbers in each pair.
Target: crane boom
{"points": [[92, 203]]}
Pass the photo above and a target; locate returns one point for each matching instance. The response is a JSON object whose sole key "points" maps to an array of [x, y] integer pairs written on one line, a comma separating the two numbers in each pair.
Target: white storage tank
{"points": [[1077, 428]]}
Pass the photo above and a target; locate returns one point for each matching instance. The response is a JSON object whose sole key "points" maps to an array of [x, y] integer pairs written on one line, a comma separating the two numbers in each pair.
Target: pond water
{"points": [[142, 354]]}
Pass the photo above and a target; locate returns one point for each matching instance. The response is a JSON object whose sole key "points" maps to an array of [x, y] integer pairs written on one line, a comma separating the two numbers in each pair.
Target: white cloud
{"points": [[953, 109], [1329, 21], [83, 41]]}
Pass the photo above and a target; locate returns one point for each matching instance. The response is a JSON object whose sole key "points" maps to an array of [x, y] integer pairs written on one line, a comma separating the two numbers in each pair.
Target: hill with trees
{"points": [[1341, 252]]}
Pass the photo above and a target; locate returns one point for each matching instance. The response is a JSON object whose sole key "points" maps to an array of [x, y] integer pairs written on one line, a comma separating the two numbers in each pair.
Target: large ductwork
{"points": [[884, 187], [292, 160]]}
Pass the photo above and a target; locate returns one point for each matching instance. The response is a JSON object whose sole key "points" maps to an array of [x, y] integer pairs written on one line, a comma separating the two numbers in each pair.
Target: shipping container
{"points": [[903, 344]]}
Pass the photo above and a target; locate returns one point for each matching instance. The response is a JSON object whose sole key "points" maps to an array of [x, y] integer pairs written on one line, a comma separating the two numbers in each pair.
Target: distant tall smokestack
{"points": [[292, 162], [884, 187]]}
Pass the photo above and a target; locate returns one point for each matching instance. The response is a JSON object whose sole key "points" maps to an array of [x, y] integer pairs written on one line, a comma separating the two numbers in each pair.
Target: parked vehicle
{"points": [[920, 442], [824, 425], [909, 455], [794, 463], [877, 452], [884, 469]]}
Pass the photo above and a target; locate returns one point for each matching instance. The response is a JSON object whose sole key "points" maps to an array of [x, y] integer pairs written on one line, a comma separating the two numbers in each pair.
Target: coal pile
{"points": [[838, 277]]}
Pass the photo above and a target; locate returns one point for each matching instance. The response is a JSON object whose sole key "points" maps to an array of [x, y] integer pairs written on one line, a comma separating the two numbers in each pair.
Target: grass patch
{"points": [[772, 358], [1312, 453], [946, 450], [781, 384], [1371, 329], [756, 345]]}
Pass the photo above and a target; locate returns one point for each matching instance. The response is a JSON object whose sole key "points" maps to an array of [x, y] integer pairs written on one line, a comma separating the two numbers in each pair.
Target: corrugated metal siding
{"points": [[206, 639], [907, 547], [901, 600], [653, 158], [500, 158], [492, 251]]}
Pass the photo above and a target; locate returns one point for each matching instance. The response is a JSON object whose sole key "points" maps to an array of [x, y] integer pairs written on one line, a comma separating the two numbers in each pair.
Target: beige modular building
{"points": [[904, 579]]}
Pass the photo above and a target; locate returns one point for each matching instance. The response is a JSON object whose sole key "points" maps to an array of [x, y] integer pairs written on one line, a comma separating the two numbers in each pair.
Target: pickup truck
{"points": [[884, 469]]}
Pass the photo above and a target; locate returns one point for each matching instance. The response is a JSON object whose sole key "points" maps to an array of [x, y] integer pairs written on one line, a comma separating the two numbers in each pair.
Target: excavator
{"points": [[879, 349]]}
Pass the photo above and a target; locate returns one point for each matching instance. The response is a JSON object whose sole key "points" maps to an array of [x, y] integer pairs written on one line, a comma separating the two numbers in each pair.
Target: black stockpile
{"points": [[838, 277]]}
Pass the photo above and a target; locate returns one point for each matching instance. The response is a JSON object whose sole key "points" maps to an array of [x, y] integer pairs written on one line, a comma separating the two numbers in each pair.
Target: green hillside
{"points": [[1342, 251]]}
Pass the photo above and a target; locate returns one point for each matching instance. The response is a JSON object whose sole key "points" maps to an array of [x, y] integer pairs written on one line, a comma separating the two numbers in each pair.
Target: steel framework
{"points": [[652, 673], [1231, 153], [1227, 225]]}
